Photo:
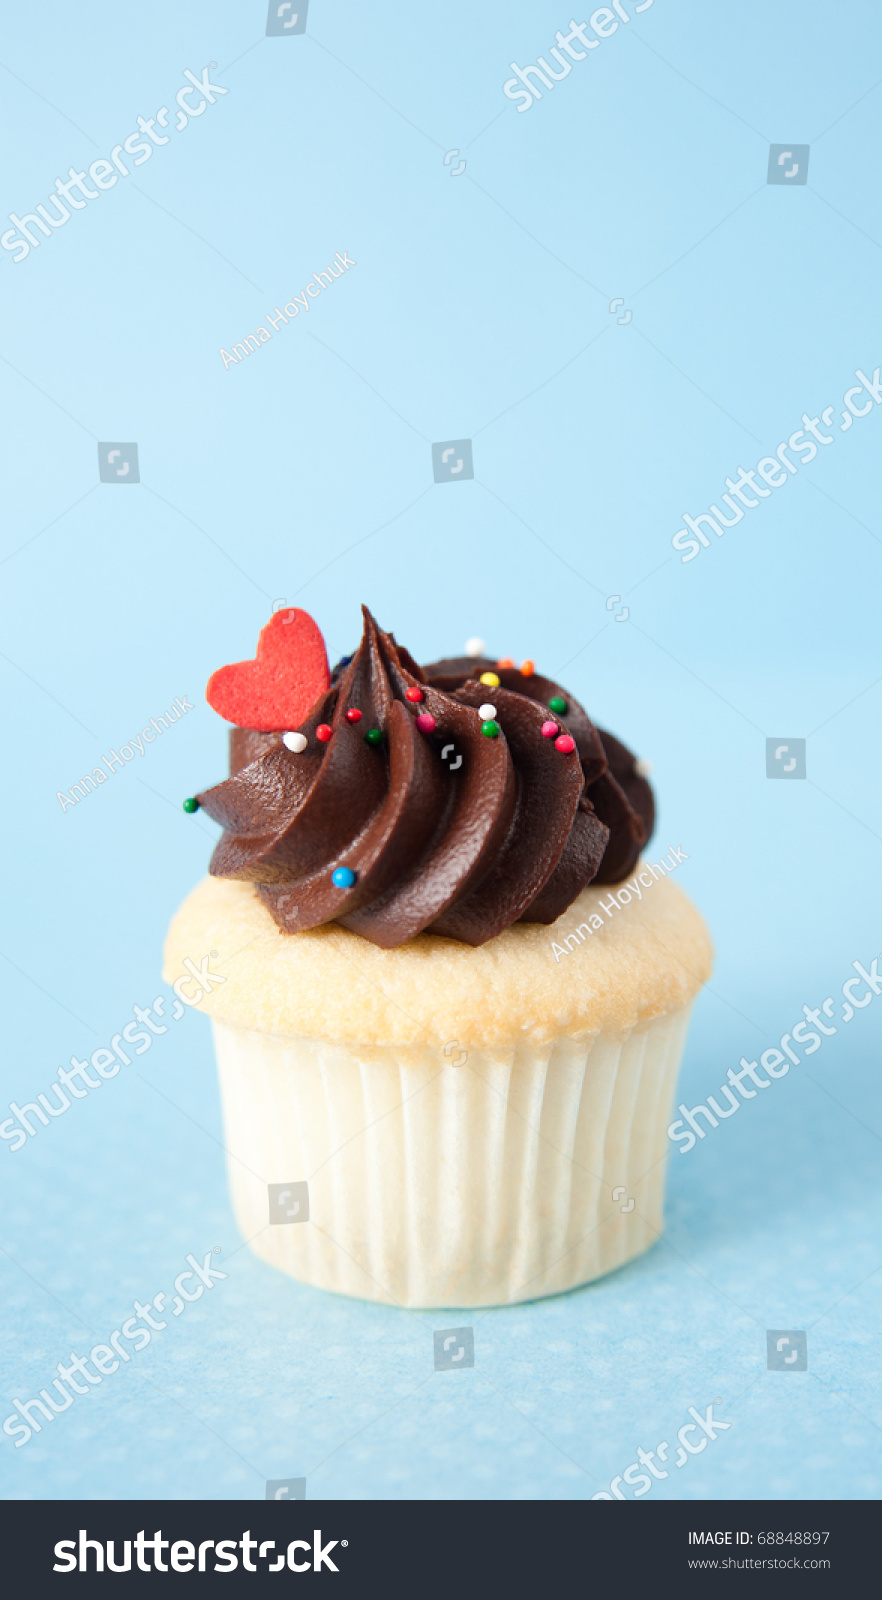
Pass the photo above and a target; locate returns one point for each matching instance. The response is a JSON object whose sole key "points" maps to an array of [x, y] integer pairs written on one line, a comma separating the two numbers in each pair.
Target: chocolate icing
{"points": [[513, 833]]}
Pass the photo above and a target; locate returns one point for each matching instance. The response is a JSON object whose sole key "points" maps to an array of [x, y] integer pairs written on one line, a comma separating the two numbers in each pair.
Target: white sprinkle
{"points": [[487, 712], [294, 741], [643, 768], [475, 647]]}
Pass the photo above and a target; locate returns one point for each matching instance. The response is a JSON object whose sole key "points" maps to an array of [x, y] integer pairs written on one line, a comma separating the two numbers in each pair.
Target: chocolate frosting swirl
{"points": [[513, 832]]}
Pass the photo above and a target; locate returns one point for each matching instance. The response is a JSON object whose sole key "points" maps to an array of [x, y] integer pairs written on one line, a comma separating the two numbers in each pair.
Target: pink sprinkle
{"points": [[549, 730], [565, 743], [425, 722]]}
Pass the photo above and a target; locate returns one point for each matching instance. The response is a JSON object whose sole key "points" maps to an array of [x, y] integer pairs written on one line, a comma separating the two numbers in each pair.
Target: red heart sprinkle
{"points": [[281, 686]]}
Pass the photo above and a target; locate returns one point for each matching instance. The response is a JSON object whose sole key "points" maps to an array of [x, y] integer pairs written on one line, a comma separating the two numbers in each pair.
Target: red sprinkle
{"points": [[550, 730], [425, 722], [565, 743], [353, 714], [323, 732], [414, 694]]}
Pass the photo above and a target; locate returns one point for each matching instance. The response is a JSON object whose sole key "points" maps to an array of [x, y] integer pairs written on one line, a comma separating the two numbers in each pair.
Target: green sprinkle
{"points": [[191, 805], [373, 736], [490, 730], [558, 704]]}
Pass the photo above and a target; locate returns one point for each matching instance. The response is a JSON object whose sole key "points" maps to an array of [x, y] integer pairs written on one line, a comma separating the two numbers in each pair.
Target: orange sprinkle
{"points": [[528, 668], [505, 662]]}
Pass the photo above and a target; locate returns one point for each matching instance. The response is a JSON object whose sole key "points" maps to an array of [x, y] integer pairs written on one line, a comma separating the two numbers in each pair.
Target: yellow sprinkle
{"points": [[490, 678]]}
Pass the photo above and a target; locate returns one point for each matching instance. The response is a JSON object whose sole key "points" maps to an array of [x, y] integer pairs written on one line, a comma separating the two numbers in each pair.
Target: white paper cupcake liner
{"points": [[520, 1173]]}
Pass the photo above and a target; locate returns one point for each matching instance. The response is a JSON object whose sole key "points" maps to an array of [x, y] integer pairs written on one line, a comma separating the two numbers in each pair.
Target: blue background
{"points": [[478, 308]]}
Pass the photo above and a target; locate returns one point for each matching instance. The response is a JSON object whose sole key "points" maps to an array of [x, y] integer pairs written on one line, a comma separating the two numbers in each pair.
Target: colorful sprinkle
{"points": [[642, 768], [343, 878], [505, 662], [191, 805], [490, 678], [565, 744], [353, 714], [558, 704], [373, 736], [475, 647], [550, 730], [486, 712], [414, 694], [294, 741], [425, 722], [490, 730], [528, 668], [323, 732]]}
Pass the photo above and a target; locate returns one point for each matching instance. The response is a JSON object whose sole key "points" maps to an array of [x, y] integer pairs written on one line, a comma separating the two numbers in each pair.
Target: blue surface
{"points": [[477, 308]]}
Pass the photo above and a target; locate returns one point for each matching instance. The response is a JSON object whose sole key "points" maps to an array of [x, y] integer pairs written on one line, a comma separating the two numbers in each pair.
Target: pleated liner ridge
{"points": [[434, 1184]]}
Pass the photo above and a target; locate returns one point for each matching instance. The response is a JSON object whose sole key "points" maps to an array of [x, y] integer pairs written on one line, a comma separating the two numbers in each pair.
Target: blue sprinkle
{"points": [[344, 877]]}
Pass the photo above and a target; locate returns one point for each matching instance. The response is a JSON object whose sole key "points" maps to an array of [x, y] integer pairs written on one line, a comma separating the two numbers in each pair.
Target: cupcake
{"points": [[447, 1045]]}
